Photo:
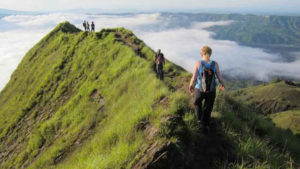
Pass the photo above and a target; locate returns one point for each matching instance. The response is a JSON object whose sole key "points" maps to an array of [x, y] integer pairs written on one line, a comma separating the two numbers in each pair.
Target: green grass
{"points": [[81, 100], [270, 98], [78, 97], [259, 143], [287, 120]]}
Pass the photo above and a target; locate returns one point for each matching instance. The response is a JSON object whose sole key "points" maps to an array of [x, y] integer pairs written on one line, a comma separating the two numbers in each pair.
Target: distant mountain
{"points": [[278, 100], [288, 120], [100, 11], [270, 32], [271, 98], [254, 11], [4, 12], [275, 34]]}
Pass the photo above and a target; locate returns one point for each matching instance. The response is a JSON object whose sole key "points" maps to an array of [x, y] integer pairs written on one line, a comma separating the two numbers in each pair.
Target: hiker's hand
{"points": [[191, 89], [223, 88]]}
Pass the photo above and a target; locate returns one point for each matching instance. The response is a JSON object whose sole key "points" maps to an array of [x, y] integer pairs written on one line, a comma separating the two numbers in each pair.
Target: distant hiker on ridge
{"points": [[87, 26], [93, 26], [160, 61], [84, 25], [158, 52], [203, 84], [154, 65]]}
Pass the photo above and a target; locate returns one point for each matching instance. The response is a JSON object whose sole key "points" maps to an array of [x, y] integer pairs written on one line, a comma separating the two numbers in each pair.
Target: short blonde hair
{"points": [[206, 50]]}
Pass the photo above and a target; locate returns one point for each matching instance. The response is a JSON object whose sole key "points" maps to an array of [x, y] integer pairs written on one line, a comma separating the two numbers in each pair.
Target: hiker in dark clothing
{"points": [[93, 26], [84, 25], [158, 52], [87, 26], [154, 63], [160, 61], [203, 85]]}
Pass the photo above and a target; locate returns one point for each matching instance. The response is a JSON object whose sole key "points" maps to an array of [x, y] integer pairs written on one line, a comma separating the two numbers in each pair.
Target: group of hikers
{"points": [[203, 85], [86, 26]]}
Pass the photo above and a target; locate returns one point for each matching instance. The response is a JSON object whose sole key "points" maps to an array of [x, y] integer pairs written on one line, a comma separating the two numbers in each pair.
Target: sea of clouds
{"points": [[180, 44]]}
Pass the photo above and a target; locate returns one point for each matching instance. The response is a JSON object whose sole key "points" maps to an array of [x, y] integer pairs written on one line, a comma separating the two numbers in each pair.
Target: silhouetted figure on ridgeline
{"points": [[87, 26], [84, 25], [93, 26]]}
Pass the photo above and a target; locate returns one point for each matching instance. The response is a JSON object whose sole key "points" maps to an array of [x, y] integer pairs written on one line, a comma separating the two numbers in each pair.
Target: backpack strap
{"points": [[212, 85], [201, 64], [202, 67], [213, 65]]}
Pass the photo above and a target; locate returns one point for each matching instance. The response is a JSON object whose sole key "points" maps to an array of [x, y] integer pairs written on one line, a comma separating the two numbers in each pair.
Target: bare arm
{"points": [[195, 74], [219, 76]]}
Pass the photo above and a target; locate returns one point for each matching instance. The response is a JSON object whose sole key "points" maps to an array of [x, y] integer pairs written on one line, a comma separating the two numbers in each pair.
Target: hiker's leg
{"points": [[208, 106], [162, 72], [157, 70], [198, 98]]}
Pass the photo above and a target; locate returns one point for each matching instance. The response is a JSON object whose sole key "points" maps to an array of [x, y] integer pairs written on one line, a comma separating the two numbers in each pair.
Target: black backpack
{"points": [[208, 78]]}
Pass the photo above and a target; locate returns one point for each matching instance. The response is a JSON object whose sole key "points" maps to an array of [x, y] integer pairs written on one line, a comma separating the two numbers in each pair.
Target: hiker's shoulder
{"points": [[198, 63]]}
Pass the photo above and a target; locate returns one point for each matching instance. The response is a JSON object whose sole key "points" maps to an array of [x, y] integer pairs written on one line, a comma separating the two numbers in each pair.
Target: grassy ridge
{"points": [[81, 100], [288, 120], [270, 98], [277, 100], [72, 86]]}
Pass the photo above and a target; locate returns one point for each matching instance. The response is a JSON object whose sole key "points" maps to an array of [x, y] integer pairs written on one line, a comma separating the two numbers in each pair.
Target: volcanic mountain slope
{"points": [[269, 98], [92, 100], [279, 100]]}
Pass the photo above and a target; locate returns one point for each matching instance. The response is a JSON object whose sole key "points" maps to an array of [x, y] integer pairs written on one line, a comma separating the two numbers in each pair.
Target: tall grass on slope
{"points": [[260, 144], [77, 98]]}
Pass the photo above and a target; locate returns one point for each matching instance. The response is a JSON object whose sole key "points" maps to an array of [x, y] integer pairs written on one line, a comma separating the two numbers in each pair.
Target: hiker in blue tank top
{"points": [[203, 84]]}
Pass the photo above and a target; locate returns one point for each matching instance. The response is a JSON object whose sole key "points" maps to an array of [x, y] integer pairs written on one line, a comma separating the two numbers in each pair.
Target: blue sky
{"points": [[279, 6]]}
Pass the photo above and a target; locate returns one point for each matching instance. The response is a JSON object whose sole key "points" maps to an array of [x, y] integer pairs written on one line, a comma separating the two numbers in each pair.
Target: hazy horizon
{"points": [[242, 11], [214, 6]]}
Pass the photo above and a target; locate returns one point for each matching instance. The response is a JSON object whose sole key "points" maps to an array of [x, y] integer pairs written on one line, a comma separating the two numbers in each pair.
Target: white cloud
{"points": [[14, 45], [180, 45], [183, 47]]}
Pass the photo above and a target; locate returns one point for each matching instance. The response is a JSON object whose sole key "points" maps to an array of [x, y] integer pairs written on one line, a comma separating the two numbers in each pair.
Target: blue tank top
{"points": [[207, 66]]}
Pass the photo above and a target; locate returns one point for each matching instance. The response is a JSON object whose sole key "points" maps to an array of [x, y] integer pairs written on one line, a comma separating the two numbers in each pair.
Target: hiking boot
{"points": [[201, 127], [206, 130]]}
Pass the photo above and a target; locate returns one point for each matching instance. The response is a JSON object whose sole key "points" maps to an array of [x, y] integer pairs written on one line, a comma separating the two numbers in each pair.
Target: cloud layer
{"points": [[181, 45]]}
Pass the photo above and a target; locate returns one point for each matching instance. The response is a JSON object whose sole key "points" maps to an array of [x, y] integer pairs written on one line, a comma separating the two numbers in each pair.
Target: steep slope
{"points": [[60, 91], [93, 101], [270, 111], [278, 100], [270, 98], [259, 143], [81, 100], [288, 120]]}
